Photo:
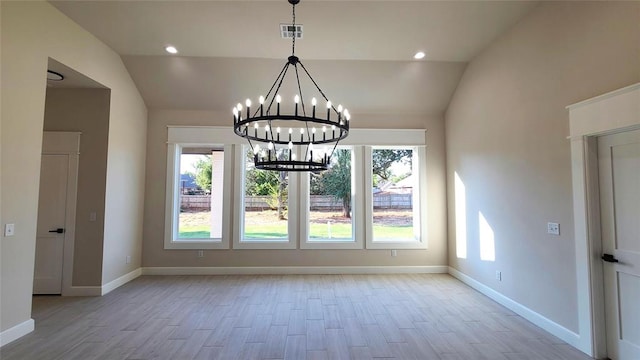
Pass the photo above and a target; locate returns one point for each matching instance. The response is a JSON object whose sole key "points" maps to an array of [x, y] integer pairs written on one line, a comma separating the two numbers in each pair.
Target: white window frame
{"points": [[238, 219], [419, 198], [172, 202], [358, 231]]}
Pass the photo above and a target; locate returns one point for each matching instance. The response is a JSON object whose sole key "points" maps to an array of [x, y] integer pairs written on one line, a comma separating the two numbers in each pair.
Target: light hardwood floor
{"points": [[284, 317]]}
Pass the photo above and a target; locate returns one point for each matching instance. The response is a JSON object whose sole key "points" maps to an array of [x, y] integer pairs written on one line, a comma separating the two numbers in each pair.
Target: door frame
{"points": [[66, 143], [614, 112]]}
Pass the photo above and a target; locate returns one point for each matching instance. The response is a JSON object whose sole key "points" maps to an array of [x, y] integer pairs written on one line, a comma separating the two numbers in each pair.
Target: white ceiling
{"points": [[358, 51]]}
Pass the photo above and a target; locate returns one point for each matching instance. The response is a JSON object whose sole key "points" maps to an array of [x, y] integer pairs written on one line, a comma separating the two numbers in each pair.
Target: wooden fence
{"points": [[317, 202]]}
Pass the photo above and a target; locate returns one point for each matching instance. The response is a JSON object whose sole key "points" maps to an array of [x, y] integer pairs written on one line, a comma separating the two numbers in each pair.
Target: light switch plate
{"points": [[9, 229], [553, 228]]}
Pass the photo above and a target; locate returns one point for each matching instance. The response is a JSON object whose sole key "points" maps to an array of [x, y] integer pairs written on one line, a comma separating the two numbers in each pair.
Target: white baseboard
{"points": [[555, 329], [112, 285], [294, 270], [82, 291], [16, 332]]}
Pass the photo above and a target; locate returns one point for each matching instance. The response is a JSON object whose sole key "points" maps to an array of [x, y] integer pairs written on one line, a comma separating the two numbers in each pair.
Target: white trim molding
{"points": [[614, 112], [554, 328], [112, 285], [16, 332], [295, 270]]}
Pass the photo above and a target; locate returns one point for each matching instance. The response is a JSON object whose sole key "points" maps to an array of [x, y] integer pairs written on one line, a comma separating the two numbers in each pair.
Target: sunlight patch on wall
{"points": [[461, 218], [487, 240]]}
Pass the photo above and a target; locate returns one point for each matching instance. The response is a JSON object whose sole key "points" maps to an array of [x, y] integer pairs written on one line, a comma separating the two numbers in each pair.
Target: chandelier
{"points": [[276, 132]]}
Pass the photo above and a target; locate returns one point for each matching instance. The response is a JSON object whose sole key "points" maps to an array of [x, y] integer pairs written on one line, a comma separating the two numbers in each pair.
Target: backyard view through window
{"points": [[266, 202], [330, 204], [200, 190], [394, 184]]}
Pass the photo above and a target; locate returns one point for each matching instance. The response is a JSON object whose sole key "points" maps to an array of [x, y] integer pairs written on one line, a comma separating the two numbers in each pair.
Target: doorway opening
{"points": [[72, 184]]}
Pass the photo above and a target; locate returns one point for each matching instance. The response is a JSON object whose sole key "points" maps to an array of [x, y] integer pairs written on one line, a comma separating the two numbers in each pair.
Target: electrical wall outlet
{"points": [[394, 252], [200, 253], [553, 228], [499, 275]]}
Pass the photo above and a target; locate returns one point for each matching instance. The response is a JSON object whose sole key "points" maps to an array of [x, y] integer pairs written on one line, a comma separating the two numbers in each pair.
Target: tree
{"points": [[337, 180], [203, 173], [268, 183], [382, 159]]}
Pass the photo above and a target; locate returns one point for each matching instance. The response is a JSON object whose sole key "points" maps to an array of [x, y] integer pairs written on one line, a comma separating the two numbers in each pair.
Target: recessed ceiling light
{"points": [[419, 55], [171, 49]]}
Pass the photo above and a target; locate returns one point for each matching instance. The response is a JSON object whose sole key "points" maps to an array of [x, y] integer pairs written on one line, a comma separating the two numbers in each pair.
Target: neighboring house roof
{"points": [[188, 181]]}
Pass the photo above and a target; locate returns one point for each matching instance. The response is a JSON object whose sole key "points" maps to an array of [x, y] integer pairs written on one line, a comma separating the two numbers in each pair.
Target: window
{"points": [[394, 201], [330, 201], [265, 217], [195, 215]]}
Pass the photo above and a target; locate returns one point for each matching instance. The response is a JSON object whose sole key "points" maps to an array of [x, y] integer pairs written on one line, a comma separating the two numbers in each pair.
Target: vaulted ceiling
{"points": [[359, 51]]}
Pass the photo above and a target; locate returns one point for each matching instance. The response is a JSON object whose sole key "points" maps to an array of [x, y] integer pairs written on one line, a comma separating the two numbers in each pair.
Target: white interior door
{"points": [[47, 277], [619, 167]]}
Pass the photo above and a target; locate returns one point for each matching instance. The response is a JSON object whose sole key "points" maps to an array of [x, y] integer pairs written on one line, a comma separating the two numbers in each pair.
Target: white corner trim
{"points": [[554, 328], [294, 270], [16, 332], [112, 285]]}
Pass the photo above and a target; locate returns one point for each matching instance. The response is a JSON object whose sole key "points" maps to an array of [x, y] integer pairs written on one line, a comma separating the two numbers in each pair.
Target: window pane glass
{"points": [[200, 188], [266, 204], [394, 183], [330, 204]]}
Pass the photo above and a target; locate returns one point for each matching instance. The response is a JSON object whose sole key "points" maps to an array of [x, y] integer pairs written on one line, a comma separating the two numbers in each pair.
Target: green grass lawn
{"points": [[317, 231]]}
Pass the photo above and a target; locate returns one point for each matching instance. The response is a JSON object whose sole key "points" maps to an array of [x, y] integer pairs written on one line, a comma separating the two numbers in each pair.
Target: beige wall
{"points": [[506, 130], [31, 33], [86, 111], [155, 255]]}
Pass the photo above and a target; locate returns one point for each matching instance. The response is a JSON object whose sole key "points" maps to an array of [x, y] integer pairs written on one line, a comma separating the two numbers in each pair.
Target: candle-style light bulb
{"points": [[313, 102], [339, 108], [278, 130], [290, 130], [248, 102], [313, 130], [324, 129], [290, 145], [278, 99], [266, 128], [261, 101], [296, 99], [235, 111], [293, 156], [328, 110], [239, 107], [328, 104], [301, 130], [310, 146], [256, 149], [270, 145], [255, 125]]}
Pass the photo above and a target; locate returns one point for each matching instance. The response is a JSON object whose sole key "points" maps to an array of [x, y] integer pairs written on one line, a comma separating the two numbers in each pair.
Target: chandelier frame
{"points": [[331, 129]]}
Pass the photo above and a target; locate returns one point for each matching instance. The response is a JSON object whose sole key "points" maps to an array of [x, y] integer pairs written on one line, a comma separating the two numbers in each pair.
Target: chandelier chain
{"points": [[293, 43]]}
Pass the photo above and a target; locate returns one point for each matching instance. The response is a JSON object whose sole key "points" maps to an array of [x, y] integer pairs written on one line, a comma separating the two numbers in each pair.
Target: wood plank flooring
{"points": [[416, 316]]}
